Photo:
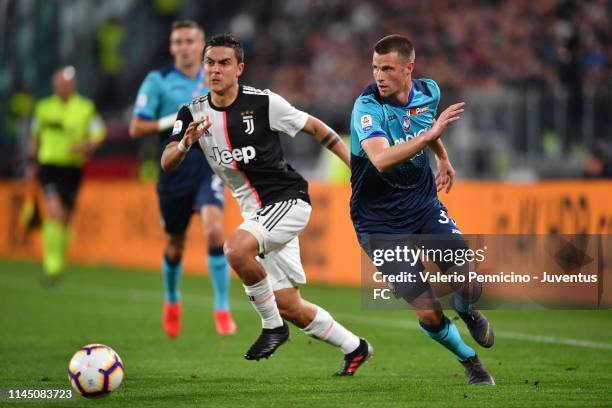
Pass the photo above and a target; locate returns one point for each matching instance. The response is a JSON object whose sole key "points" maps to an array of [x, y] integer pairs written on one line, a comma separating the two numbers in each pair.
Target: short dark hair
{"points": [[398, 43], [187, 24], [229, 41]]}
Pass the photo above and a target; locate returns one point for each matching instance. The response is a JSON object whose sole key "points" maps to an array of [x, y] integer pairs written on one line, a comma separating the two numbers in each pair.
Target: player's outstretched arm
{"points": [[175, 152], [385, 157], [142, 127], [327, 137]]}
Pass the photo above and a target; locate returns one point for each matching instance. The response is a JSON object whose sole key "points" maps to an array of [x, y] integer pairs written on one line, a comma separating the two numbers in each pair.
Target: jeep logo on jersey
{"points": [[247, 118], [243, 154]]}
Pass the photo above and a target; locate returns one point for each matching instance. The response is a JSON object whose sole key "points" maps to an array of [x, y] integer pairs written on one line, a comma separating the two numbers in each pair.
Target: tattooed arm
{"points": [[327, 137]]}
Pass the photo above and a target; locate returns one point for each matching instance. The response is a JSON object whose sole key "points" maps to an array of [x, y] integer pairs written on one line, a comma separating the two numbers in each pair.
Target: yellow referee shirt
{"points": [[59, 126]]}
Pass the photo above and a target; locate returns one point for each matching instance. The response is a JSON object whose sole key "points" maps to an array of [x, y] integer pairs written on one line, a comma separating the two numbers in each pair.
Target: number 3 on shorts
{"points": [[444, 218]]}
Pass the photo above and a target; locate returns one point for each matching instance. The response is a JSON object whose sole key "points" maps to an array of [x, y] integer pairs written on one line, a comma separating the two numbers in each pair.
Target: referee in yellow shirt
{"points": [[65, 131]]}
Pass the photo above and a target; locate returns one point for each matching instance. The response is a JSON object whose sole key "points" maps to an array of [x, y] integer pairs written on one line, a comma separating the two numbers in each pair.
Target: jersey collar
{"points": [[228, 107], [59, 100]]}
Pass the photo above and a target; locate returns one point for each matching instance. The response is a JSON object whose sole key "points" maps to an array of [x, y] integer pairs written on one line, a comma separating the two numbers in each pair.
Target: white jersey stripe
{"points": [[229, 145]]}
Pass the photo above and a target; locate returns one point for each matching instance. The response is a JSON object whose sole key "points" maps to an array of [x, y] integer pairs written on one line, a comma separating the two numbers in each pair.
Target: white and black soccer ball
{"points": [[95, 370]]}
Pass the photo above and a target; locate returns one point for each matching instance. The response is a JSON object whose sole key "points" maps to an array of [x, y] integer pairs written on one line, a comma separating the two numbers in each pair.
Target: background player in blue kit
{"points": [[394, 191], [194, 187]]}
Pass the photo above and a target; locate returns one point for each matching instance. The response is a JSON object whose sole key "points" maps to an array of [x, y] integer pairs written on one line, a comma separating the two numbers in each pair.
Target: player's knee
{"points": [[54, 207], [212, 221], [175, 247], [234, 253], [214, 237], [174, 255], [239, 250]]}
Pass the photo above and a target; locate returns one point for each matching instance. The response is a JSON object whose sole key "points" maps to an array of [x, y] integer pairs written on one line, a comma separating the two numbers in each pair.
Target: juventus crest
{"points": [[247, 118]]}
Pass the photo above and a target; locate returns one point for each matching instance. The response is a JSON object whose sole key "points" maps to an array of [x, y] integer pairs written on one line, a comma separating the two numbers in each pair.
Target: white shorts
{"points": [[277, 227]]}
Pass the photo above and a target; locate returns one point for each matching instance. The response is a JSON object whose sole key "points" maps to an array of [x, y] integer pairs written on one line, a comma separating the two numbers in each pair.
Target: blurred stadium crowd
{"points": [[537, 75]]}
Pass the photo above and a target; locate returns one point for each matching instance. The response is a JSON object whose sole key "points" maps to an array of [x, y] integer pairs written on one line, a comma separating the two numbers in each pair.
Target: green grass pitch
{"points": [[541, 357]]}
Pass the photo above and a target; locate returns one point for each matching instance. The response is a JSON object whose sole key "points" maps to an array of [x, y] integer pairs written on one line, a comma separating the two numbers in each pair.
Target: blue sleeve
{"points": [[147, 101], [435, 93], [368, 117], [183, 119]]}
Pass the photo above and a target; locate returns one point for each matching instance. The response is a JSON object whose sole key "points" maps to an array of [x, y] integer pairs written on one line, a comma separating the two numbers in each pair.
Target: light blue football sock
{"points": [[218, 270], [172, 276], [450, 338]]}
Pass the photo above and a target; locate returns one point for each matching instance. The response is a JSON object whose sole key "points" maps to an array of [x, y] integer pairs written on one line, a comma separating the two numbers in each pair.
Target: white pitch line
{"points": [[554, 340], [152, 296]]}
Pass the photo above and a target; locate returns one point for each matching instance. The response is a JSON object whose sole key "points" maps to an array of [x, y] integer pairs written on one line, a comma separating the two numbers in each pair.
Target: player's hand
{"points": [[196, 130], [445, 177], [448, 116]]}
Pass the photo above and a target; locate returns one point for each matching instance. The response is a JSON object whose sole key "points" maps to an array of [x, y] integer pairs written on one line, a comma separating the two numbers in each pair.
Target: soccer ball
{"points": [[95, 370]]}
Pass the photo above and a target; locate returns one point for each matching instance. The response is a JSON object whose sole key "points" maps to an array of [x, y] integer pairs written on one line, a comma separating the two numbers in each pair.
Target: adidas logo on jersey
{"points": [[243, 154], [249, 90]]}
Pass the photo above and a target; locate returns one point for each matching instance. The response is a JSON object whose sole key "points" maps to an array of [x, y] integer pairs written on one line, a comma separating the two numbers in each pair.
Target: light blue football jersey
{"points": [[395, 201], [164, 92]]}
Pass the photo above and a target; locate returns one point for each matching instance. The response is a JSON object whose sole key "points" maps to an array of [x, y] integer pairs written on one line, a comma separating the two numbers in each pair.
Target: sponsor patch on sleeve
{"points": [[366, 123], [178, 126], [141, 100]]}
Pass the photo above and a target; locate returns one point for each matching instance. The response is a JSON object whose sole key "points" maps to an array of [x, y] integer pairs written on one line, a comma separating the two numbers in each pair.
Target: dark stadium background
{"points": [[537, 76]]}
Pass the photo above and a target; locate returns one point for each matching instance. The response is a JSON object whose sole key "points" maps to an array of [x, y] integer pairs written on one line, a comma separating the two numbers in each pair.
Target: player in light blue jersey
{"points": [[193, 187], [394, 191]]}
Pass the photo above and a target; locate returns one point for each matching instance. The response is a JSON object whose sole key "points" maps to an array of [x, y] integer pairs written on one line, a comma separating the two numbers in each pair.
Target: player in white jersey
{"points": [[194, 188], [237, 128]]}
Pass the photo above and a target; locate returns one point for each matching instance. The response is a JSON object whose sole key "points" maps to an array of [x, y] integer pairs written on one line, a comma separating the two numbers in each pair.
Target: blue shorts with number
{"points": [[176, 211], [439, 231], [439, 222]]}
